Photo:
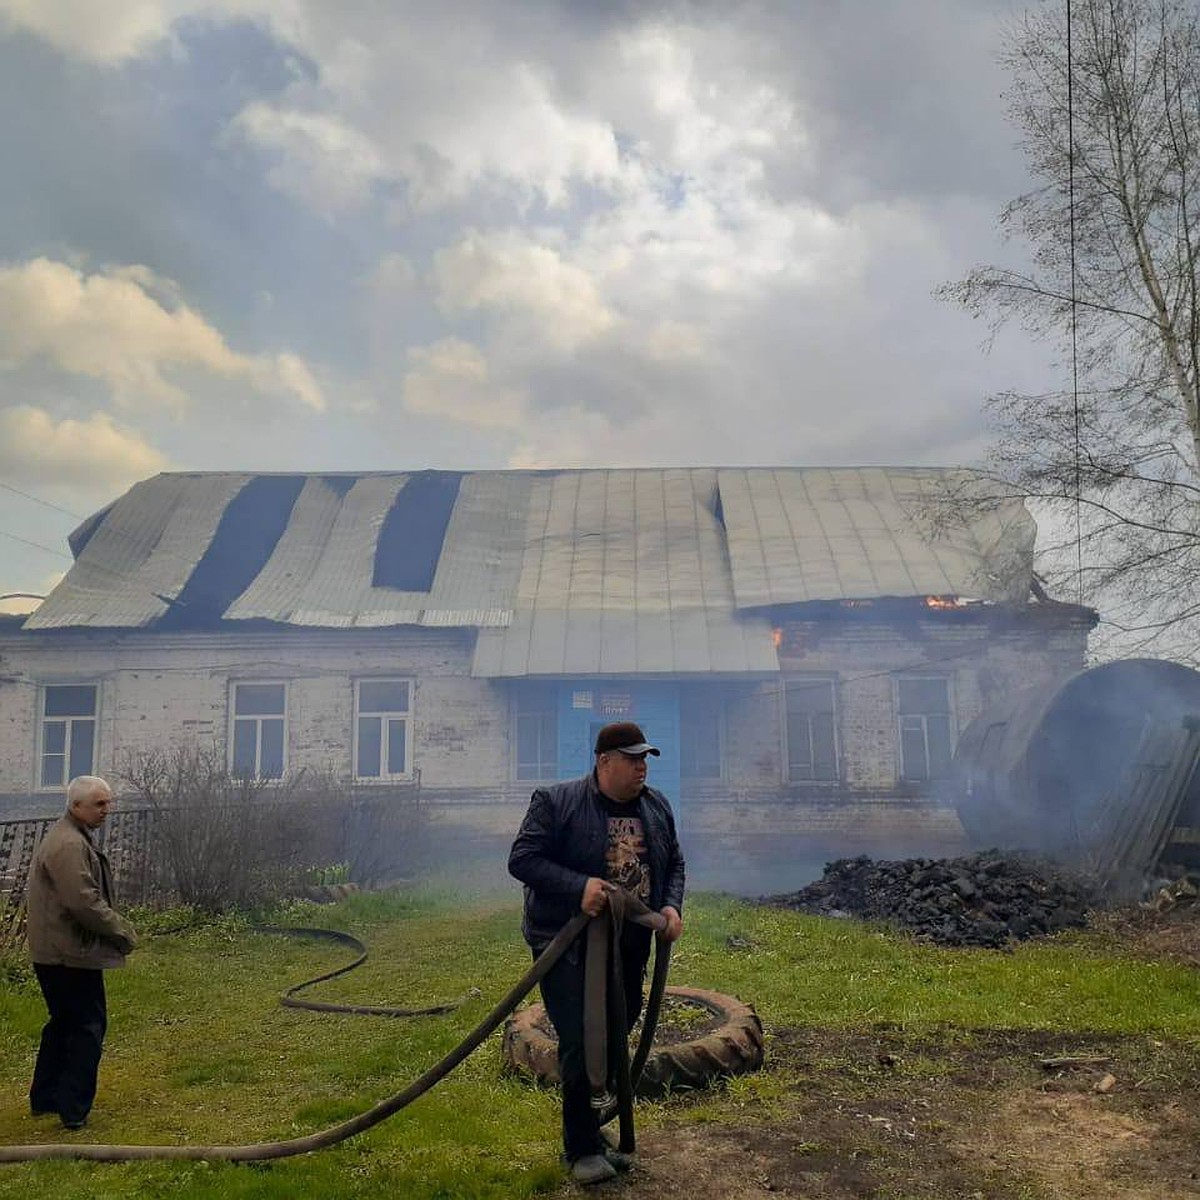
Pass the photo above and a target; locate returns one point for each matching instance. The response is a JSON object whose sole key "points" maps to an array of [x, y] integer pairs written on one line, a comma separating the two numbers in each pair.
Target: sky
{"points": [[276, 235]]}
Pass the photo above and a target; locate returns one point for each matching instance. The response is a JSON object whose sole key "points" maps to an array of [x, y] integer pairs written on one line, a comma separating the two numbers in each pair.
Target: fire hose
{"points": [[603, 938]]}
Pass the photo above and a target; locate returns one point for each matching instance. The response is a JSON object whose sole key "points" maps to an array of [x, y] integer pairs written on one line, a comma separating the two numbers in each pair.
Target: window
{"points": [[68, 733], [926, 741], [699, 735], [383, 729], [811, 731], [259, 725], [536, 733]]}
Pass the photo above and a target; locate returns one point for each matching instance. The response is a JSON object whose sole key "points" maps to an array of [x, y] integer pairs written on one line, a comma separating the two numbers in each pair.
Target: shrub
{"points": [[220, 841], [383, 835]]}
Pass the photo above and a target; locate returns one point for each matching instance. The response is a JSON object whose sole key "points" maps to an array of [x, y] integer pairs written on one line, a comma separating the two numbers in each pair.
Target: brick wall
{"points": [[980, 658], [156, 690]]}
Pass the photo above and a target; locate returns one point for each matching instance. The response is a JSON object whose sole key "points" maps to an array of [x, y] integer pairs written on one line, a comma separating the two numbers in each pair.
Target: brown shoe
{"points": [[591, 1169]]}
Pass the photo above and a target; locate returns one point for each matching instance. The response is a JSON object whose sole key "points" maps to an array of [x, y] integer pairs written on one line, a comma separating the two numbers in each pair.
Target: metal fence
{"points": [[127, 838]]}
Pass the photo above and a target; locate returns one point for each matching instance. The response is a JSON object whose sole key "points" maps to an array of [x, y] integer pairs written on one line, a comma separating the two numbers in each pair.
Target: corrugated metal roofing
{"points": [[624, 572], [599, 572], [140, 556], [802, 534]]}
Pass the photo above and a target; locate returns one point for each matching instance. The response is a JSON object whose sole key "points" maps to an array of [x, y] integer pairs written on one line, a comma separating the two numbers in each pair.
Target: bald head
{"points": [[89, 799]]}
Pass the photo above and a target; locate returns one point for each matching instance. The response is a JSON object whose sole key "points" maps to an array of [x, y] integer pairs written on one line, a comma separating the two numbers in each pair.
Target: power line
{"points": [[36, 545], [127, 576], [1074, 311], [8, 487]]}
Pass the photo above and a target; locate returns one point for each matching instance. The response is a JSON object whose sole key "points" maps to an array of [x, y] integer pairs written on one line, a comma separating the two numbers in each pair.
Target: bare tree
{"points": [[1112, 136]]}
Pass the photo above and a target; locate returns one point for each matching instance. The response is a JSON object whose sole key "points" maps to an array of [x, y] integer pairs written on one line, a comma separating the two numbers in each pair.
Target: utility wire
{"points": [[128, 576], [8, 487], [36, 545], [1074, 310]]}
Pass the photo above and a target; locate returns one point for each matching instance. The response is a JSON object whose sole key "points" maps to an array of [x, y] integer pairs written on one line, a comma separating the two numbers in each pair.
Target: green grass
{"points": [[808, 970], [200, 1051]]}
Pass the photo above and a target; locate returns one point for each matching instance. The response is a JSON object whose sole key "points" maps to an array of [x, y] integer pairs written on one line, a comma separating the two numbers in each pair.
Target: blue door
{"points": [[586, 705]]}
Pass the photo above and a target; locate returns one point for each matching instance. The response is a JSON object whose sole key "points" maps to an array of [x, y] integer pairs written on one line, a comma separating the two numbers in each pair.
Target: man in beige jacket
{"points": [[74, 936]]}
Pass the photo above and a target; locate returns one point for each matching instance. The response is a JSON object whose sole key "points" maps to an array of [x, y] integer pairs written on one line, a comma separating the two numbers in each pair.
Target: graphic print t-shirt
{"points": [[627, 862]]}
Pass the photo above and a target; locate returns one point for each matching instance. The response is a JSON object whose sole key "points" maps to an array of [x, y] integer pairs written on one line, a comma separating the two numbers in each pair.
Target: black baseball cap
{"points": [[626, 737]]}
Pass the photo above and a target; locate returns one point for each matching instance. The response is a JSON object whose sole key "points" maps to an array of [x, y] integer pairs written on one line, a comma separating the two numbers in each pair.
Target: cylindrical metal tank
{"points": [[1032, 770]]}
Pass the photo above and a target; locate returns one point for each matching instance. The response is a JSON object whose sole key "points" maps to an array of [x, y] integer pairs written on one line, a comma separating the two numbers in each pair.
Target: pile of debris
{"points": [[1169, 894], [986, 899]]}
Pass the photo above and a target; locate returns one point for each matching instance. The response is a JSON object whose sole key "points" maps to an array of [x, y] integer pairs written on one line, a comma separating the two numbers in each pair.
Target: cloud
{"points": [[596, 231], [104, 33], [435, 134], [450, 379], [526, 285], [315, 155], [394, 274], [680, 246], [289, 374], [114, 31], [88, 455], [112, 327], [624, 221]]}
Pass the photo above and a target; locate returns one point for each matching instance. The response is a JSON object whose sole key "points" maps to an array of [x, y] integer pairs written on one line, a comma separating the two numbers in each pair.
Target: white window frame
{"points": [[386, 775], [952, 726], [69, 772], [234, 684], [830, 681]]}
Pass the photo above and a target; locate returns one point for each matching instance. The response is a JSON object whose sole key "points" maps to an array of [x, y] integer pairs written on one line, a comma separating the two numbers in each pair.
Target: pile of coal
{"points": [[985, 899]]}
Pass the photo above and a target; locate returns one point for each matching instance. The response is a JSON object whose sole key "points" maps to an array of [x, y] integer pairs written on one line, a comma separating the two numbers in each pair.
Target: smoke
{"points": [[1041, 770]]}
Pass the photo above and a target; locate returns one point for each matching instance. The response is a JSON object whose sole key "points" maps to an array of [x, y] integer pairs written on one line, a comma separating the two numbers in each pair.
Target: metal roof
{"points": [[140, 556], [837, 533], [322, 568], [602, 572], [624, 572]]}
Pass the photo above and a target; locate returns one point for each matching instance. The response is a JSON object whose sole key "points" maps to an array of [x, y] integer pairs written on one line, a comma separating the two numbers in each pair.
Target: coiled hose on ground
{"points": [[622, 906]]}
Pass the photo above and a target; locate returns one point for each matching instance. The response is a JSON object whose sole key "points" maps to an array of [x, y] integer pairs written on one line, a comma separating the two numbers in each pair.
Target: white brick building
{"points": [[804, 644]]}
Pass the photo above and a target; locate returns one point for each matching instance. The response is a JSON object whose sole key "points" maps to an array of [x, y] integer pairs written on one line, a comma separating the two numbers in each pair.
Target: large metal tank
{"points": [[1033, 770]]}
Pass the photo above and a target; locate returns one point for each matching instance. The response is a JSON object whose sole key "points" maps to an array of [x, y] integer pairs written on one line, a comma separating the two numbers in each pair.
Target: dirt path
{"points": [[955, 1115], [964, 1116]]}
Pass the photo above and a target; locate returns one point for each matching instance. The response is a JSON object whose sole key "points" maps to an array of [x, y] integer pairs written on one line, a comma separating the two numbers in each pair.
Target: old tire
{"points": [[734, 1047]]}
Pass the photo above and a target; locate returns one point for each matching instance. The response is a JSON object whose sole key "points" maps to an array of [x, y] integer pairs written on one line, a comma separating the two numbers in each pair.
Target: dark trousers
{"points": [[562, 992], [64, 1077]]}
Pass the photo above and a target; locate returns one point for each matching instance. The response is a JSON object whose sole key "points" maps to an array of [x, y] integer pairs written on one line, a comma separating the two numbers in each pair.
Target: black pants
{"points": [[562, 991], [64, 1077]]}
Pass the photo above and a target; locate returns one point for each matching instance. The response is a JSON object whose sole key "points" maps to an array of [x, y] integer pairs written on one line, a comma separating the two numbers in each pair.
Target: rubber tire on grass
{"points": [[735, 1047]]}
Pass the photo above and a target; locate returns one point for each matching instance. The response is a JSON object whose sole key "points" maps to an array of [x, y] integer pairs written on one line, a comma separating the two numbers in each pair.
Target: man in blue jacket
{"points": [[578, 840]]}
